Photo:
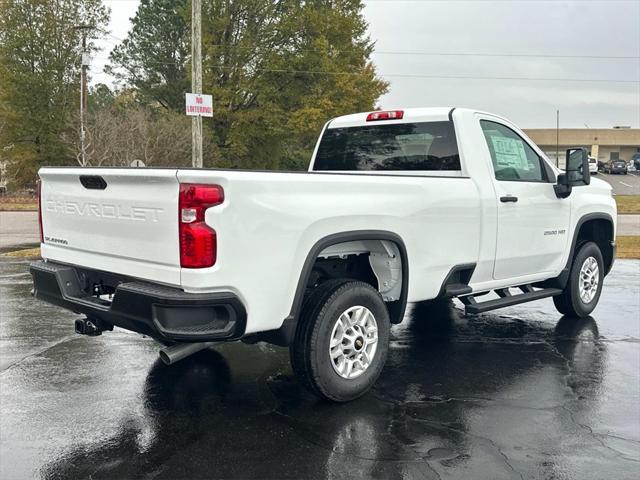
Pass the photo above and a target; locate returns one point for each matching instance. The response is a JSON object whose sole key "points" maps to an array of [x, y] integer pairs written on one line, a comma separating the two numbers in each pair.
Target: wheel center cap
{"points": [[359, 343]]}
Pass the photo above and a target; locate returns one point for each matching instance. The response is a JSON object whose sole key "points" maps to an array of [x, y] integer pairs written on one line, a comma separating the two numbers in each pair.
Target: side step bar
{"points": [[457, 289], [507, 299]]}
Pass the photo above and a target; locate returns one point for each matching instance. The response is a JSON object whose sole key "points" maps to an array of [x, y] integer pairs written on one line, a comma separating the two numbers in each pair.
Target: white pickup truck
{"points": [[397, 206]]}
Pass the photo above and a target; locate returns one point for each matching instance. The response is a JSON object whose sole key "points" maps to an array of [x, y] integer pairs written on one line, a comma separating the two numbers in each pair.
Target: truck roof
{"points": [[422, 114]]}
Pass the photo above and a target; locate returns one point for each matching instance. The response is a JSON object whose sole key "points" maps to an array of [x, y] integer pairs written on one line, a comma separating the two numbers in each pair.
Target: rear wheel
{"points": [[342, 340], [583, 289]]}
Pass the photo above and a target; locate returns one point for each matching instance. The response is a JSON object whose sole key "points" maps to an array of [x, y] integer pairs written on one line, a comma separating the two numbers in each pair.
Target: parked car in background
{"points": [[616, 166], [601, 165], [593, 165], [636, 160]]}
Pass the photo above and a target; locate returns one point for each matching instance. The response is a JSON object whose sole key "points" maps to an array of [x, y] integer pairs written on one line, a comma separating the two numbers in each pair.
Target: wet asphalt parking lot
{"points": [[622, 184], [519, 393]]}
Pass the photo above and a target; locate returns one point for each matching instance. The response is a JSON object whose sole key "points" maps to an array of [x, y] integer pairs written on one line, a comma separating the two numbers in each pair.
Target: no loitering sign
{"points": [[198, 104]]}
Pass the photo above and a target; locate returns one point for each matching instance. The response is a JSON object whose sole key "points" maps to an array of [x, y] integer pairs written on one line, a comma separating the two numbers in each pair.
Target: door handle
{"points": [[508, 198]]}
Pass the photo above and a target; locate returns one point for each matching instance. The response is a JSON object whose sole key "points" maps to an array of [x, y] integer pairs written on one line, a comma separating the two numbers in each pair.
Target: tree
{"points": [[277, 69], [282, 69], [116, 137], [39, 76], [120, 130], [100, 97], [324, 72], [153, 58]]}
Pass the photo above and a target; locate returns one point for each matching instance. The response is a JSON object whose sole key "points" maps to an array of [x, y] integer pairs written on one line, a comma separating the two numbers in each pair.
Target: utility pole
{"points": [[196, 80], [83, 91]]}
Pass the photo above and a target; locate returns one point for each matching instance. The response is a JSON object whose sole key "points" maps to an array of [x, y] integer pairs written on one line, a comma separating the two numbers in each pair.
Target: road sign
{"points": [[199, 105]]}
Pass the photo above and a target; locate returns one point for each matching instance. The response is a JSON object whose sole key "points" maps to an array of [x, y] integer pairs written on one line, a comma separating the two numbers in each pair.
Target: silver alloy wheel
{"points": [[354, 341], [589, 280]]}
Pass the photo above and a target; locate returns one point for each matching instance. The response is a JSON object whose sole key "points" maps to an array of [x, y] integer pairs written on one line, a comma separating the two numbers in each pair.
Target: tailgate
{"points": [[120, 220]]}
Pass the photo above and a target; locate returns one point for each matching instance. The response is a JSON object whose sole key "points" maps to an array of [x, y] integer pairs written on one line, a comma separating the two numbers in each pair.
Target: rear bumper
{"points": [[161, 312]]}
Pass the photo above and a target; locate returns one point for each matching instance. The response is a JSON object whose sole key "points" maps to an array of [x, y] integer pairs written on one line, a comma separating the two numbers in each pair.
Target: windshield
{"points": [[405, 146]]}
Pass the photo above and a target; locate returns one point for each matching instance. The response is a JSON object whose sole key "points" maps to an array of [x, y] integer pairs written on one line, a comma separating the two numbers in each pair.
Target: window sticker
{"points": [[509, 153]]}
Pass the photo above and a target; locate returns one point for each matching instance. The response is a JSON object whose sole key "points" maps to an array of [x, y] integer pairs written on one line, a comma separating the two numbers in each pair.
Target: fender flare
{"points": [[285, 334], [563, 278]]}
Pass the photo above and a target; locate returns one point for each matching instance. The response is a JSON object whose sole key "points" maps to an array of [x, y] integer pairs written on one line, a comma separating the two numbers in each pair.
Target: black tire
{"points": [[309, 351], [569, 301]]}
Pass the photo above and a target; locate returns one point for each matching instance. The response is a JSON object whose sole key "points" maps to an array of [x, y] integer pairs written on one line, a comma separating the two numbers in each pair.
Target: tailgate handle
{"points": [[93, 182]]}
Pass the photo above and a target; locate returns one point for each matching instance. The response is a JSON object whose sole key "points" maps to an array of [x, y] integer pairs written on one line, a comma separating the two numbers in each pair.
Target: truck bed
{"points": [[267, 224]]}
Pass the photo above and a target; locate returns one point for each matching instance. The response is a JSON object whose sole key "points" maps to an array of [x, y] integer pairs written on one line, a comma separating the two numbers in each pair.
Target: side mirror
{"points": [[577, 172], [577, 167]]}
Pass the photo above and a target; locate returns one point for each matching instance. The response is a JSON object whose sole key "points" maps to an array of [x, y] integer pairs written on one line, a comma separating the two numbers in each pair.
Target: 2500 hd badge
{"points": [[555, 232]]}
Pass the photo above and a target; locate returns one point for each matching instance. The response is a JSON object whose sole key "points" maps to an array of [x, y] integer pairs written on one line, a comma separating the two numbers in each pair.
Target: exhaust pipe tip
{"points": [[164, 357], [180, 351]]}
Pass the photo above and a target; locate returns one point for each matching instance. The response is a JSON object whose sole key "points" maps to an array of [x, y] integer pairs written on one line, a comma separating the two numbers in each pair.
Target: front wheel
{"points": [[582, 292], [342, 340]]}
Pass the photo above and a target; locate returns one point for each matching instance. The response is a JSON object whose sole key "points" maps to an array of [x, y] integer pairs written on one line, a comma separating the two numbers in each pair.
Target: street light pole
{"points": [[196, 80]]}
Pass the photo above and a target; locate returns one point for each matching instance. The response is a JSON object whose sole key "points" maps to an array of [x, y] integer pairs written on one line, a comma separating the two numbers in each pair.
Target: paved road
{"points": [[623, 184], [520, 393], [629, 225], [17, 228]]}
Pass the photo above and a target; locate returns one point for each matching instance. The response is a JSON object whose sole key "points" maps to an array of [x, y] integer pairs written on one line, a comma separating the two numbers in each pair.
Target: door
{"points": [[532, 222]]}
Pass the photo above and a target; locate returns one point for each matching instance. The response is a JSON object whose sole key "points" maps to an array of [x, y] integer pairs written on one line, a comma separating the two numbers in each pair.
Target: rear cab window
{"points": [[420, 146]]}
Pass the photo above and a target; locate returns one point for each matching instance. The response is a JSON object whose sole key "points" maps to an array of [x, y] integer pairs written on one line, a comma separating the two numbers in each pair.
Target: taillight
{"points": [[387, 115], [198, 242], [39, 186]]}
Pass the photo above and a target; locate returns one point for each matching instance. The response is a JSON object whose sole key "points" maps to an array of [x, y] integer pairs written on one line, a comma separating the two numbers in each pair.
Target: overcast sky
{"points": [[514, 42]]}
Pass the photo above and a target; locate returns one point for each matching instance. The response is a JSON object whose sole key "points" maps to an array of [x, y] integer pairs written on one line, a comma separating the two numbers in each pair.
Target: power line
{"points": [[410, 75], [450, 77], [115, 38], [525, 55], [439, 54], [451, 54]]}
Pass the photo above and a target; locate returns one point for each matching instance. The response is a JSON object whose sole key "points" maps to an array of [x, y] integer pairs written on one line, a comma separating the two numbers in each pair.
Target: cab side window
{"points": [[513, 159]]}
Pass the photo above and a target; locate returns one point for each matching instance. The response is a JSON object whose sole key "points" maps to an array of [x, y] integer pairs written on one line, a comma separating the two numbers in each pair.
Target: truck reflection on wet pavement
{"points": [[520, 393]]}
